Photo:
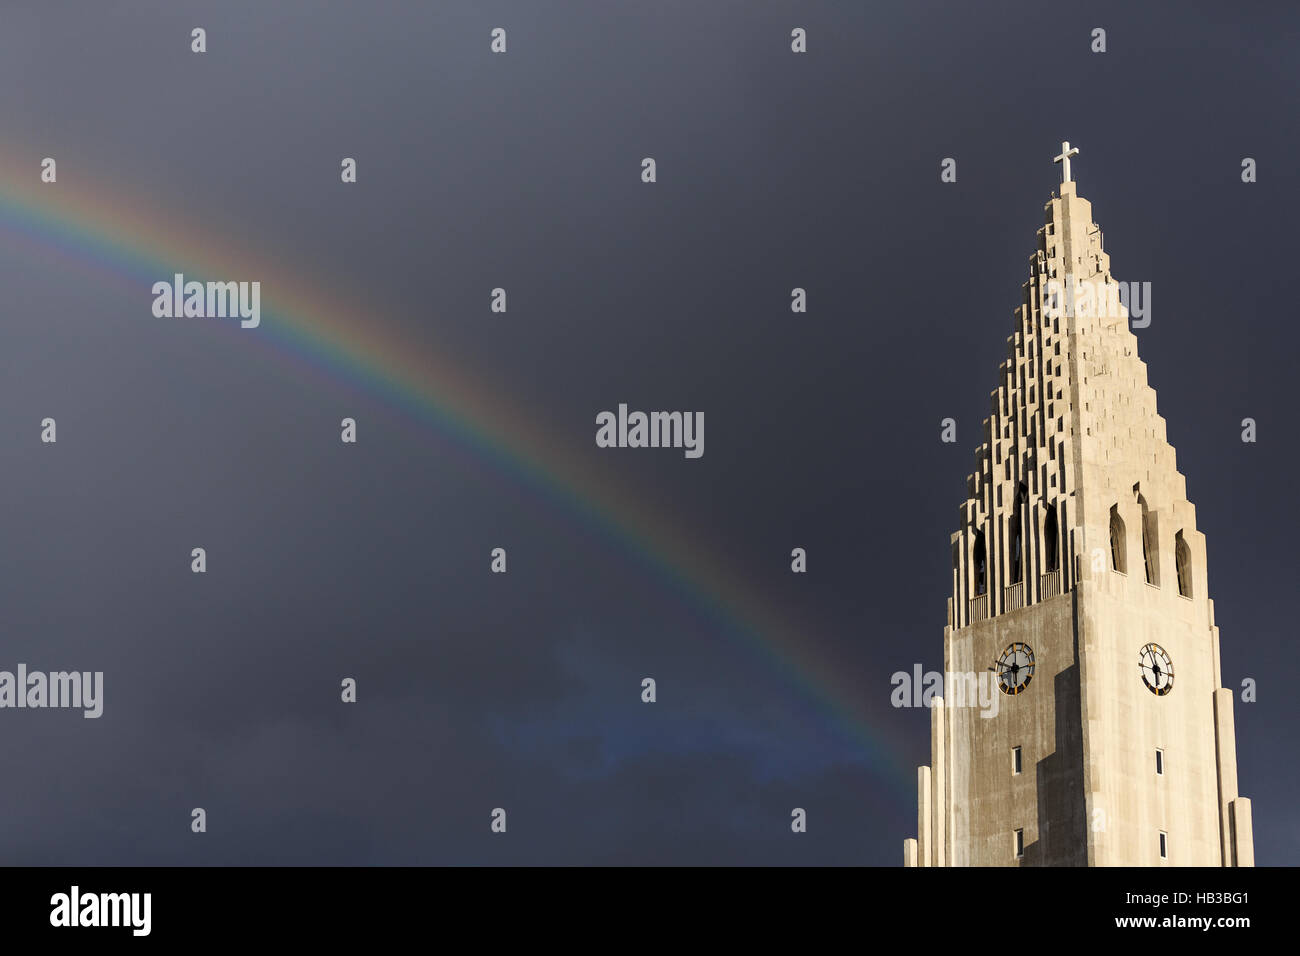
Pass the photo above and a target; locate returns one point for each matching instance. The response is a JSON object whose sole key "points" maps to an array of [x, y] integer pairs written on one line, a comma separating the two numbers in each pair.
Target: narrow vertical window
{"points": [[980, 557], [1149, 557], [1164, 845], [1015, 760], [1019, 844], [1015, 549], [1146, 554], [1160, 761], [1183, 561], [1051, 543], [1017, 534], [1118, 555]]}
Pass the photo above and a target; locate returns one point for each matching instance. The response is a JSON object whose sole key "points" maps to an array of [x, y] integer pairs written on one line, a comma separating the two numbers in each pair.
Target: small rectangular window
{"points": [[1020, 844], [1160, 761], [1164, 845], [1015, 760]]}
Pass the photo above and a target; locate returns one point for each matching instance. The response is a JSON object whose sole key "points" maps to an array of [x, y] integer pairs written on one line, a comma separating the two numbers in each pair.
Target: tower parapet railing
{"points": [[1049, 585], [1013, 597]]}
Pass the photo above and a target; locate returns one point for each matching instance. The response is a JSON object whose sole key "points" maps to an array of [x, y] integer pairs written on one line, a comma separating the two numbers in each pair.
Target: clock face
{"points": [[1015, 668], [1157, 669]]}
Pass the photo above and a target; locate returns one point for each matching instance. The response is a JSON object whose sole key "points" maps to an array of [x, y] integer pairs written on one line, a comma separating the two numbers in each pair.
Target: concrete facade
{"points": [[1077, 545]]}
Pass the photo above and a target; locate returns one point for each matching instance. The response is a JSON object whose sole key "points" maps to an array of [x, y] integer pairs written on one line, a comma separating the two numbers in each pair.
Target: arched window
{"points": [[1051, 542], [1148, 545], [1183, 560], [1118, 551], [1016, 550], [1017, 536], [980, 558]]}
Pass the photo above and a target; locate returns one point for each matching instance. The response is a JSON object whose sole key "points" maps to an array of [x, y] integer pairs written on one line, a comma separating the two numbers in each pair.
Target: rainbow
{"points": [[130, 239]]}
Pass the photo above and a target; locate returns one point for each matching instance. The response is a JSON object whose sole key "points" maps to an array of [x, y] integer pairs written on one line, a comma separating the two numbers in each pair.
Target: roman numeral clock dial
{"points": [[1015, 668]]}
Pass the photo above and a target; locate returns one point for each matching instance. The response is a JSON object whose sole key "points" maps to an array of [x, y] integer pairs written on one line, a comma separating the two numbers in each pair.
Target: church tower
{"points": [[1079, 591]]}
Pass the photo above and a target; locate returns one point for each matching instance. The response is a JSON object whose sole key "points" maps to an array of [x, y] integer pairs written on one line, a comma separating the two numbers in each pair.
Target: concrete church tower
{"points": [[1079, 588]]}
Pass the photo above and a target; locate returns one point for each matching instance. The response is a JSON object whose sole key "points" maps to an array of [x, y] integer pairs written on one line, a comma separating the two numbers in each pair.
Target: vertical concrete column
{"points": [[1225, 745], [938, 800], [923, 816], [909, 853], [1243, 836]]}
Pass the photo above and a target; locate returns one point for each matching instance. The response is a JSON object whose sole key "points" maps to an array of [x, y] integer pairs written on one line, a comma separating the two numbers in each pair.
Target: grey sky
{"points": [[476, 171]]}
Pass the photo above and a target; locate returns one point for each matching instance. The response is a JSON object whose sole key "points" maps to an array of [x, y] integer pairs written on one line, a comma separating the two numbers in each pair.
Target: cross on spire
{"points": [[1064, 159]]}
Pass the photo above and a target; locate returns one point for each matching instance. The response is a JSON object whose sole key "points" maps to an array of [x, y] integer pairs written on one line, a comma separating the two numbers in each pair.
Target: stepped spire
{"points": [[1079, 572]]}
